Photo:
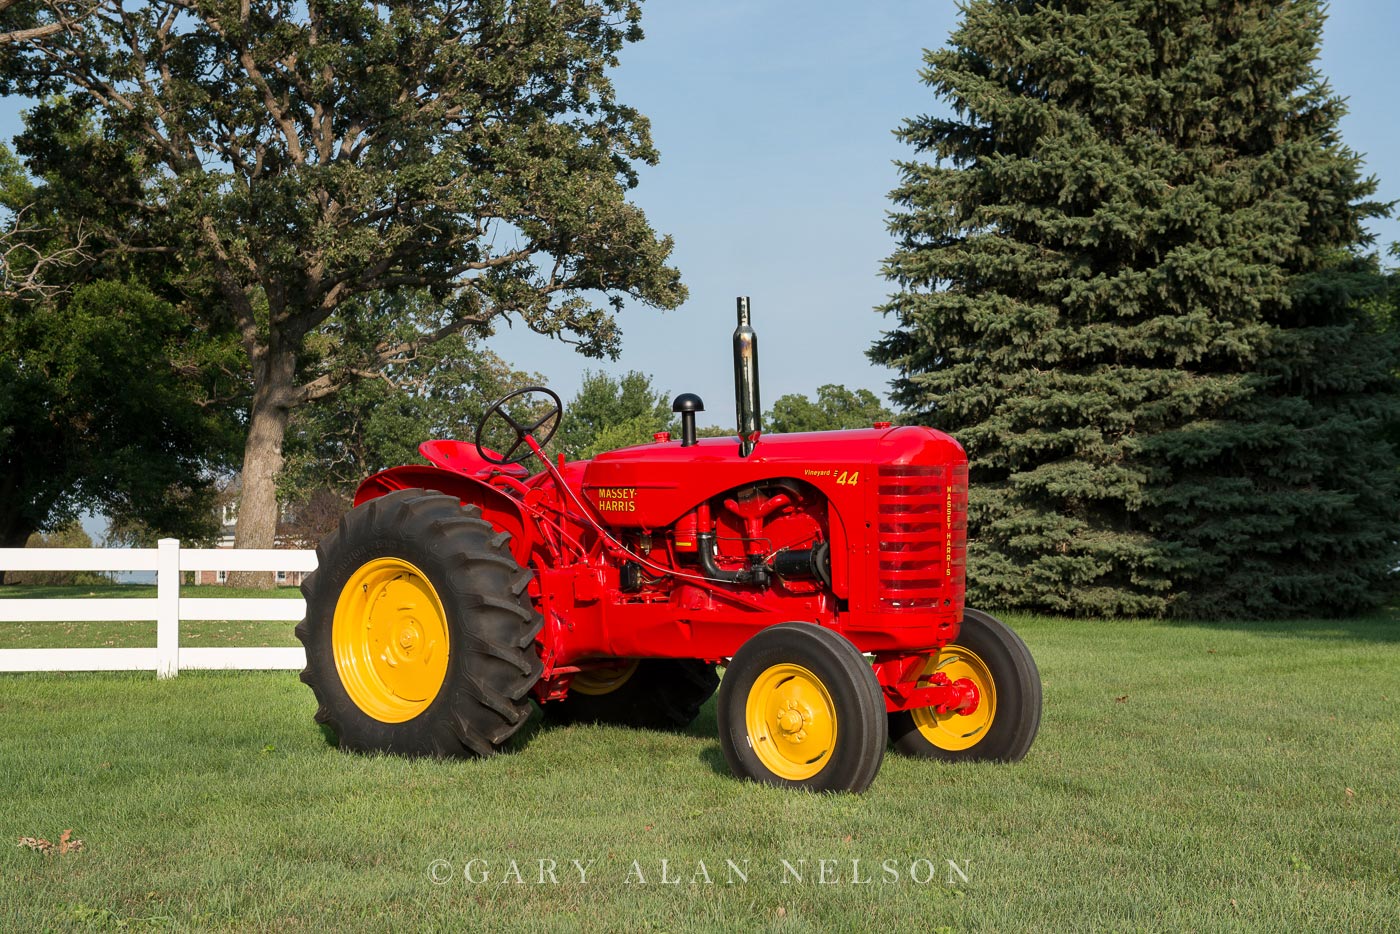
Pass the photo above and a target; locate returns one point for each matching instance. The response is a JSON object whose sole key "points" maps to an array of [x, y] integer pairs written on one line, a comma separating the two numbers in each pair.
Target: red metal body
{"points": [[615, 542]]}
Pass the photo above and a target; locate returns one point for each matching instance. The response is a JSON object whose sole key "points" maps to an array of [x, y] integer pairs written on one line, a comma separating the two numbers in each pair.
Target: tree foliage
{"points": [[99, 410], [612, 412], [36, 20], [109, 394], [312, 158], [835, 407], [70, 535], [378, 422], [1128, 284]]}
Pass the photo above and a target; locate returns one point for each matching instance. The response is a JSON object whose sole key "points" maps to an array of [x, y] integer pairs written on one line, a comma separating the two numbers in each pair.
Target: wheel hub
{"points": [[408, 638], [792, 721], [962, 727], [390, 639]]}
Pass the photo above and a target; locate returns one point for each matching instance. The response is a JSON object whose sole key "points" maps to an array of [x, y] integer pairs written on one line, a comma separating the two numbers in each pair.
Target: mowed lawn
{"points": [[86, 634], [1186, 778]]}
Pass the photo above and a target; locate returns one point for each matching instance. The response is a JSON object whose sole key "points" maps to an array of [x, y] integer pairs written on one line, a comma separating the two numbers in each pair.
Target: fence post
{"points": [[168, 608]]}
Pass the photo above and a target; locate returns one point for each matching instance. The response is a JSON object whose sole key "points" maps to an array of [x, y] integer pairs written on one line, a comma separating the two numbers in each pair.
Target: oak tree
{"points": [[312, 155]]}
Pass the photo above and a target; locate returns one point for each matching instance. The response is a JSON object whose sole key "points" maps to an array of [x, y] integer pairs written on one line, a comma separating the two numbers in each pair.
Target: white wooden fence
{"points": [[167, 608]]}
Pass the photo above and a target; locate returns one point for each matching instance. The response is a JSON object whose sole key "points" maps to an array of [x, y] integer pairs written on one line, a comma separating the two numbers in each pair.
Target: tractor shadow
{"points": [[706, 726], [538, 726], [527, 734]]}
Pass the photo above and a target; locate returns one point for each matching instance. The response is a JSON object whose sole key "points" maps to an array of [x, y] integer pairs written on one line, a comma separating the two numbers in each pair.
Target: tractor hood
{"points": [[653, 485]]}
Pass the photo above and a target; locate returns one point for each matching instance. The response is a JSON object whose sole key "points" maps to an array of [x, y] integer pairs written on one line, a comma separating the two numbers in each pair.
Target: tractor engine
{"points": [[861, 530]]}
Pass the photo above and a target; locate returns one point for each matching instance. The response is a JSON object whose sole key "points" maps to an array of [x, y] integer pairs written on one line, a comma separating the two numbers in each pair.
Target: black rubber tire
{"points": [[661, 694], [492, 660], [1016, 681], [862, 732]]}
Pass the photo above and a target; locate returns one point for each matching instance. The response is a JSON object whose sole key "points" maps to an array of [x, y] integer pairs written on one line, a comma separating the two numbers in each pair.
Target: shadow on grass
{"points": [[713, 757], [706, 723], [517, 743], [1380, 626], [535, 725], [704, 727]]}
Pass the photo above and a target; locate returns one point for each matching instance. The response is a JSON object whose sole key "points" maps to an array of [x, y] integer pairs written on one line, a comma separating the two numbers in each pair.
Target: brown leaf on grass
{"points": [[846, 838], [782, 912], [1121, 700], [67, 843]]}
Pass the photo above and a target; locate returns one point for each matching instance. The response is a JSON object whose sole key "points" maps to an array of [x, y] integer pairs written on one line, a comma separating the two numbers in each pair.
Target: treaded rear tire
{"points": [[492, 664]]}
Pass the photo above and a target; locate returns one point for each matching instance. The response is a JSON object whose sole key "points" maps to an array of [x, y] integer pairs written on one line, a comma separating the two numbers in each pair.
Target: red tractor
{"points": [[824, 571]]}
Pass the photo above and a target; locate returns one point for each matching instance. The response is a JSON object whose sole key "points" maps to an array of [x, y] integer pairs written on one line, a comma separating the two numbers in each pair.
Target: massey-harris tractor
{"points": [[824, 571]]}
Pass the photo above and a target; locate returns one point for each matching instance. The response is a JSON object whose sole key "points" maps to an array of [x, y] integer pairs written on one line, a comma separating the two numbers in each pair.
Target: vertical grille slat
{"points": [[922, 529]]}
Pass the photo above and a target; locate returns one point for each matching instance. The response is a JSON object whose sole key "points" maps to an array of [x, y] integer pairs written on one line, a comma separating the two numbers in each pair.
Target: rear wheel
{"points": [[800, 707], [648, 693], [419, 636], [1007, 717]]}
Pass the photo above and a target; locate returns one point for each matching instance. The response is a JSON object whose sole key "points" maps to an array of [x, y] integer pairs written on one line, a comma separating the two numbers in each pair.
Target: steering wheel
{"points": [[497, 409]]}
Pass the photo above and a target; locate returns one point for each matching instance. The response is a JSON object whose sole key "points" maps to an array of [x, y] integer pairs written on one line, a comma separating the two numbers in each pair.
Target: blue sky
{"points": [[774, 123], [774, 120]]}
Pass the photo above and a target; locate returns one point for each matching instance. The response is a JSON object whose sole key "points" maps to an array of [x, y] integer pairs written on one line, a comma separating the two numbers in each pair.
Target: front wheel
{"points": [[1007, 717], [800, 707]]}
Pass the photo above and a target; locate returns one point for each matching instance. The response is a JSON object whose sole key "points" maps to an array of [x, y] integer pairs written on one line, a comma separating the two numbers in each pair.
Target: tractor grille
{"points": [[923, 537]]}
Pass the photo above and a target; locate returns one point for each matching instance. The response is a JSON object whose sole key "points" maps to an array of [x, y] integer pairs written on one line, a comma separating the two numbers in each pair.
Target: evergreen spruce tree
{"points": [[1130, 285]]}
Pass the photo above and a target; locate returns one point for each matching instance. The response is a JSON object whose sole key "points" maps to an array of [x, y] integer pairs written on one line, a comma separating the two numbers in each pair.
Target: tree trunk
{"points": [[258, 510], [15, 528], [13, 536]]}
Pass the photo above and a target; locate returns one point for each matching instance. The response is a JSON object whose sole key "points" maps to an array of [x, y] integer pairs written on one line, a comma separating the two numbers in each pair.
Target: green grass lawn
{"points": [[1186, 778], [193, 633]]}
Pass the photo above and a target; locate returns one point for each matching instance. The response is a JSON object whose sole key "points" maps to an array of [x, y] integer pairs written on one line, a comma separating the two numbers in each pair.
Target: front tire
{"points": [[419, 635], [1007, 718], [800, 707]]}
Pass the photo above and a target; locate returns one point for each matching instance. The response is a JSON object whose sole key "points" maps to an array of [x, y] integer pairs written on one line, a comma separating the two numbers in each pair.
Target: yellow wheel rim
{"points": [[603, 680], [390, 640], [792, 722], [954, 731]]}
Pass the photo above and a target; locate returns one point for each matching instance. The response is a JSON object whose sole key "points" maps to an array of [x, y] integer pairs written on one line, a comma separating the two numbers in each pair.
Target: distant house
{"points": [[228, 525]]}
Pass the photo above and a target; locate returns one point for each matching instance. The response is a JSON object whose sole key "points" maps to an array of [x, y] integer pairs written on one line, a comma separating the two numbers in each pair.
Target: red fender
{"points": [[496, 507]]}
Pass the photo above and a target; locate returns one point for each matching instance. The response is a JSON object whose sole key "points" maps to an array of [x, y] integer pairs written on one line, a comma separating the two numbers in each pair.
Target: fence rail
{"points": [[167, 608]]}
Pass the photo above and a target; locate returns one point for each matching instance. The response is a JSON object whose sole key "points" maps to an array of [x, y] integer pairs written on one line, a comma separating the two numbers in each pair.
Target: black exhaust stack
{"points": [[746, 404]]}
